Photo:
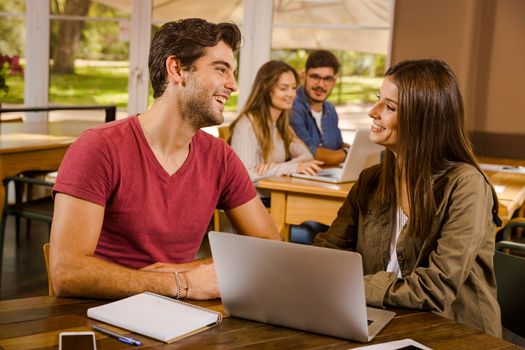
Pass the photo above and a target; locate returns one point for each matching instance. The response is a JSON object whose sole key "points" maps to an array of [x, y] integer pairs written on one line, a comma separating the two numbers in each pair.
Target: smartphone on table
{"points": [[77, 341]]}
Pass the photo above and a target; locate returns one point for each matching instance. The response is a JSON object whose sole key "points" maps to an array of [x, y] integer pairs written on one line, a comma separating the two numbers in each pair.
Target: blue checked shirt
{"points": [[304, 125]]}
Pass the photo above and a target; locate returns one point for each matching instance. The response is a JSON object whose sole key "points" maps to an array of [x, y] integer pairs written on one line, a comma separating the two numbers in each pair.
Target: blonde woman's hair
{"points": [[257, 109]]}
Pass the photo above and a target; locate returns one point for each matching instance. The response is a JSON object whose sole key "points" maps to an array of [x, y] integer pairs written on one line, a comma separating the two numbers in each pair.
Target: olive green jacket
{"points": [[450, 271]]}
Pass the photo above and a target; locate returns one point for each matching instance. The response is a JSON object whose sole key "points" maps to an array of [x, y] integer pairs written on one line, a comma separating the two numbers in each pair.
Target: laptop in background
{"points": [[362, 154], [299, 286], [516, 169]]}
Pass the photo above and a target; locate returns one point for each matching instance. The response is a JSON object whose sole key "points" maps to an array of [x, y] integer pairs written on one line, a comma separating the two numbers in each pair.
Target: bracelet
{"points": [[177, 282], [185, 286]]}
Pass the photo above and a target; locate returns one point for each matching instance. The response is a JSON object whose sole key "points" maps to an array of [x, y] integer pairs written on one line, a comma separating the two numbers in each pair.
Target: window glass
{"points": [[89, 54], [12, 43]]}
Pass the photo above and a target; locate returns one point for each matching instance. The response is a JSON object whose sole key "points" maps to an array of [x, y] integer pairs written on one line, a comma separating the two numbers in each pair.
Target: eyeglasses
{"points": [[316, 78]]}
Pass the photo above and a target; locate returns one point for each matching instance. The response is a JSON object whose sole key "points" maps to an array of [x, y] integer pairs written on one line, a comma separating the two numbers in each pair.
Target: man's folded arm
{"points": [[76, 272]]}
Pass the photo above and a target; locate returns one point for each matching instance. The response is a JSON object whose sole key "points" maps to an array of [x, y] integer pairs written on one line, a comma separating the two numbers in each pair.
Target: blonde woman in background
{"points": [[261, 134]]}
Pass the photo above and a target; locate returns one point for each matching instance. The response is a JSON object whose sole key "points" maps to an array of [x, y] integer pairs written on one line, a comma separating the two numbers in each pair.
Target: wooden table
{"points": [[24, 152], [514, 198], [33, 323], [510, 189], [35, 146], [294, 200]]}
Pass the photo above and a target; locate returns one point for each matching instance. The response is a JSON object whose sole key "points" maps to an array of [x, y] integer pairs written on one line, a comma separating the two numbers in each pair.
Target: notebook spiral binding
{"points": [[219, 318]]}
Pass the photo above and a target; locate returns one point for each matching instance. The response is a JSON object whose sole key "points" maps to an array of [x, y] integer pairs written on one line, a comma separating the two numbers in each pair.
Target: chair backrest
{"points": [[224, 132], [51, 291], [110, 110], [517, 224], [510, 270]]}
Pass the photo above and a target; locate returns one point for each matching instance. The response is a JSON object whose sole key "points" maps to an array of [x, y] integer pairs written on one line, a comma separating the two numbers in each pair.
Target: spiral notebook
{"points": [[156, 316]]}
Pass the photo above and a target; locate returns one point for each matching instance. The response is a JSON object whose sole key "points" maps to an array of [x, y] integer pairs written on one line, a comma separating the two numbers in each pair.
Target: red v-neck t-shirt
{"points": [[151, 216]]}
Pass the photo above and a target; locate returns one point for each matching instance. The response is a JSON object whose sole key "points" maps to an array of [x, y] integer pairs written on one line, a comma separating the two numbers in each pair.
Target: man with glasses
{"points": [[313, 118]]}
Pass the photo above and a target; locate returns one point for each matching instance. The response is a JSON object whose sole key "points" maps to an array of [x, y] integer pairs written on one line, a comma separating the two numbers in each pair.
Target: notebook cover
{"points": [[156, 316]]}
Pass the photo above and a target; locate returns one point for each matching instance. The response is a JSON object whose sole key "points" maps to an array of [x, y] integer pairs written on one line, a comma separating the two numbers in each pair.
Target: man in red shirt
{"points": [[133, 198]]}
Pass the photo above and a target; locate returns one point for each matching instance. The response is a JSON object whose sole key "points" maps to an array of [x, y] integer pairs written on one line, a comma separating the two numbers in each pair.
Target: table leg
{"points": [[2, 223], [278, 212], [2, 198]]}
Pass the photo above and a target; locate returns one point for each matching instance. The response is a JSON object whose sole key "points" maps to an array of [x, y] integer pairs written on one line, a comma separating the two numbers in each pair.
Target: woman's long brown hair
{"points": [[431, 137], [257, 109]]}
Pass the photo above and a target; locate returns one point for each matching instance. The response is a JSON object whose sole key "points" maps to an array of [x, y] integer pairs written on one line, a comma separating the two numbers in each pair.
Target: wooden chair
{"points": [[517, 224], [40, 209], [50, 289], [224, 133]]}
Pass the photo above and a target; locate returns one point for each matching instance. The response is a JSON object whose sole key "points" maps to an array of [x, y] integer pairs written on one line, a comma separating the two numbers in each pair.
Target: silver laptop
{"points": [[362, 154], [299, 286]]}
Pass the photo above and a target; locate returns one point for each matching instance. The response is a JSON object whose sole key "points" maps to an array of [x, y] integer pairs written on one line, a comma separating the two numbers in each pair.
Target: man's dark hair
{"points": [[322, 58], [186, 39]]}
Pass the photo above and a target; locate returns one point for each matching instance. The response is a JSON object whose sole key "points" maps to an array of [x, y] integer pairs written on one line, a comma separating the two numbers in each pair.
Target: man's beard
{"points": [[197, 107]]}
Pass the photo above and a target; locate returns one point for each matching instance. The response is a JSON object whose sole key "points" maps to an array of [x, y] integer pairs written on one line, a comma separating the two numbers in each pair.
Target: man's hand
{"points": [[202, 283], [197, 277]]}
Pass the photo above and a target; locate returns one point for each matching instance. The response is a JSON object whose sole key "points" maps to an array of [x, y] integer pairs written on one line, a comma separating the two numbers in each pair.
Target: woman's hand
{"points": [[310, 168], [261, 169]]}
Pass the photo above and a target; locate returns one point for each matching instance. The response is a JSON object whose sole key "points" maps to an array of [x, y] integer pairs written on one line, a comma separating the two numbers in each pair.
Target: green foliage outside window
{"points": [[360, 74], [359, 80]]}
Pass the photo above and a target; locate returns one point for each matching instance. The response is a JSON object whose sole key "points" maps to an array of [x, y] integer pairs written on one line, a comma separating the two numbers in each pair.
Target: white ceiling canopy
{"points": [[356, 25]]}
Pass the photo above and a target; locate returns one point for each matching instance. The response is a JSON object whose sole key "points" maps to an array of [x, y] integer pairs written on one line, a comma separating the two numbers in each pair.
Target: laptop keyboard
{"points": [[329, 172]]}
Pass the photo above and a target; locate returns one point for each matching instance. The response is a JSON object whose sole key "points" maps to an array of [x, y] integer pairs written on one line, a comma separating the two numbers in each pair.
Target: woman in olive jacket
{"points": [[424, 219]]}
